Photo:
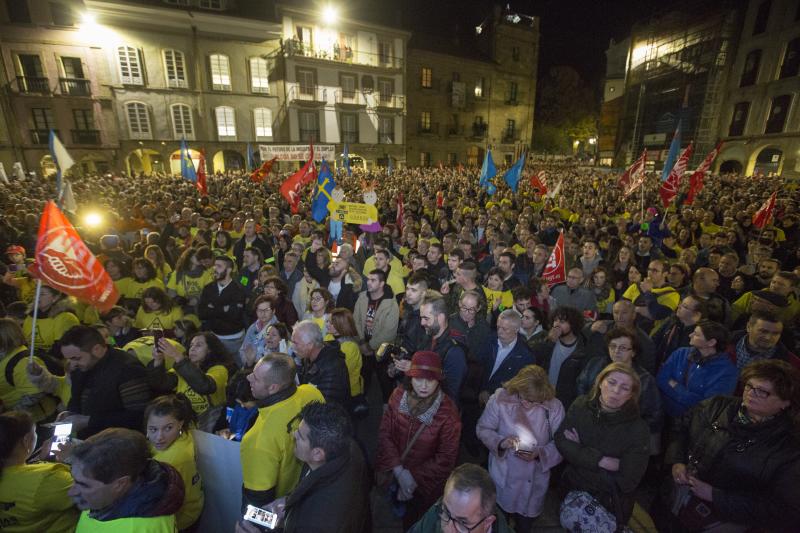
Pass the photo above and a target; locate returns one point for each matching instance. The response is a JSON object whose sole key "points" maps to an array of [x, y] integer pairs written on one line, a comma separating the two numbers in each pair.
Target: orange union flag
{"points": [[63, 262], [556, 271]]}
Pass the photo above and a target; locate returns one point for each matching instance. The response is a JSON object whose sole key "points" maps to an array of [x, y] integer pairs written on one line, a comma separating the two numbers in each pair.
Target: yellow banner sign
{"points": [[353, 213]]}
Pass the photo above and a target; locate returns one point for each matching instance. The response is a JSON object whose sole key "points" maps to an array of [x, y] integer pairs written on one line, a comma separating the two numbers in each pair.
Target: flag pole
{"points": [[33, 322]]}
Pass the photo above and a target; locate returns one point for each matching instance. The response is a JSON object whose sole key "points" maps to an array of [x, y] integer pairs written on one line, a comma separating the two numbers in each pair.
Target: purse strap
{"points": [[412, 441]]}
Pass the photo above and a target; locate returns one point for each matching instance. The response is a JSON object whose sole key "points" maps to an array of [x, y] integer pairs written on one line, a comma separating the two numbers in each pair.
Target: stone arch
{"points": [[144, 160], [767, 159], [225, 160]]}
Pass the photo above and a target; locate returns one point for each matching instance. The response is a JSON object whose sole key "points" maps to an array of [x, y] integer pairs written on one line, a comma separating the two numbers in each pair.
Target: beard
{"points": [[433, 330]]}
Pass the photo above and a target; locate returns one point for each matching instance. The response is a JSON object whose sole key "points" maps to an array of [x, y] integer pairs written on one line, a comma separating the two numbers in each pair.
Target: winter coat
{"points": [[334, 498], [384, 325], [581, 298], [328, 373], [521, 485], [698, 378], [566, 387], [519, 357], [781, 351], [433, 455], [621, 434], [222, 313], [754, 468]]}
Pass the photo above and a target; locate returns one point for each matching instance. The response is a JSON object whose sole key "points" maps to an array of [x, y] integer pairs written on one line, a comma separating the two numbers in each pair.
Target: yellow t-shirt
{"points": [[130, 288], [505, 297], [190, 287], [33, 499], [267, 449], [181, 455], [163, 272], [200, 402], [49, 330], [142, 348], [24, 395], [158, 319]]}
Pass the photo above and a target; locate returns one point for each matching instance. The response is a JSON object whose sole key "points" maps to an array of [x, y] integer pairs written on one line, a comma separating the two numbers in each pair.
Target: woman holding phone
{"points": [[168, 423], [34, 495]]}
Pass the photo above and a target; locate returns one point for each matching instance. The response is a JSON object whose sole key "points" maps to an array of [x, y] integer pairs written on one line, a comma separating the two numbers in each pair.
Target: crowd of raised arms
{"points": [[655, 387]]}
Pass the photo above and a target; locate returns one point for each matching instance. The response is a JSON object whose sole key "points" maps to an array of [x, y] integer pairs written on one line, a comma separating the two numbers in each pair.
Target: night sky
{"points": [[573, 32]]}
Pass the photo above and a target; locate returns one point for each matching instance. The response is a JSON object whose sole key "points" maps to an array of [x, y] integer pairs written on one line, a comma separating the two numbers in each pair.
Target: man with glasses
{"points": [[467, 506]]}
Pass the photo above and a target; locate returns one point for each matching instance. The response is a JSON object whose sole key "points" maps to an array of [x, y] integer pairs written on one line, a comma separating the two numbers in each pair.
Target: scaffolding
{"points": [[677, 70]]}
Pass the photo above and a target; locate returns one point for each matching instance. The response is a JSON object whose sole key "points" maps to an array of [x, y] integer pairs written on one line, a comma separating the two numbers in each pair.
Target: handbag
{"points": [[386, 480], [692, 512], [580, 512]]}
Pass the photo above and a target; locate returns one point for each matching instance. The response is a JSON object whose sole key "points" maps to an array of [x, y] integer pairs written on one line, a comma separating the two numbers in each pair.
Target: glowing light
{"points": [[330, 15], [92, 219], [592, 140], [89, 19]]}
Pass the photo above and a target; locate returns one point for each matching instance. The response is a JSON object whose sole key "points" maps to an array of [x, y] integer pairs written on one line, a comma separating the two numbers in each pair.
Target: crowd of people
{"points": [[665, 359]]}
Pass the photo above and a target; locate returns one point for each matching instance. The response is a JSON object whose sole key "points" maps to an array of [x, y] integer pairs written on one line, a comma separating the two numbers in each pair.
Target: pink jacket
{"points": [[521, 485]]}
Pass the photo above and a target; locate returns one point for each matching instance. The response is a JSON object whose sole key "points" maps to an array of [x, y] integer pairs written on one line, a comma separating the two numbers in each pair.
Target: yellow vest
{"points": [[130, 288], [267, 449], [34, 499], [39, 409], [156, 524], [49, 330], [352, 358], [181, 455], [188, 287]]}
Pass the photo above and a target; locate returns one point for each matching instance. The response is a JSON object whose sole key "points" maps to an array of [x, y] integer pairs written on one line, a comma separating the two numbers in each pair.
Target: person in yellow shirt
{"points": [[55, 317], [320, 304], [144, 277], [157, 312], [17, 392], [201, 374], [189, 277], [34, 496], [168, 423], [497, 299], [269, 467], [342, 327], [155, 255]]}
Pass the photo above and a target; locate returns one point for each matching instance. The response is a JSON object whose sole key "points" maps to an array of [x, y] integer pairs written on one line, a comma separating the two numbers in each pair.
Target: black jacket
{"points": [[334, 498], [328, 373], [410, 333], [223, 313], [566, 387], [241, 245], [754, 468], [347, 295], [113, 393], [519, 357]]}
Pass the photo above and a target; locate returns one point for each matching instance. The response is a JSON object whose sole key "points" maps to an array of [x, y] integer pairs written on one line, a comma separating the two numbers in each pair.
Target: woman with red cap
{"points": [[418, 439]]}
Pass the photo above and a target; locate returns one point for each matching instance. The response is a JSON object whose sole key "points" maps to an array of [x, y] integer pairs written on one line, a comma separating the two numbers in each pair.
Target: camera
{"points": [[395, 351]]}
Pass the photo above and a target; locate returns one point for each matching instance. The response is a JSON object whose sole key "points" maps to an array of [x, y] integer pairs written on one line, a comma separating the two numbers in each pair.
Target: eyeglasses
{"points": [[317, 298], [469, 309], [446, 518], [619, 348], [758, 392]]}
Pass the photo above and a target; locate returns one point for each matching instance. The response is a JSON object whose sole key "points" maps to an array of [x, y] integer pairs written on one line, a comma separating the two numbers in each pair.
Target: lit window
{"points": [[262, 119], [182, 126], [226, 123], [220, 72], [138, 120]]}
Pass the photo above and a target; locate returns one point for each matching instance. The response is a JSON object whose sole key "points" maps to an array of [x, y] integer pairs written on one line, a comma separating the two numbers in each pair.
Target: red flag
{"points": [[290, 189], [400, 212], [310, 175], [634, 176], [439, 199], [260, 174], [201, 174], [763, 216], [537, 182], [696, 180], [556, 271], [63, 262], [670, 187]]}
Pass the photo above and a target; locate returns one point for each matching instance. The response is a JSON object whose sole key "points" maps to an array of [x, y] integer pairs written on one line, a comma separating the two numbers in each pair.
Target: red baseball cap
{"points": [[15, 249]]}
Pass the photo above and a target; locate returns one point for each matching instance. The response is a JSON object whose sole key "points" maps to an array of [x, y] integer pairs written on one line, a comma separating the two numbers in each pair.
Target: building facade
{"points": [[343, 83], [760, 122], [464, 97]]}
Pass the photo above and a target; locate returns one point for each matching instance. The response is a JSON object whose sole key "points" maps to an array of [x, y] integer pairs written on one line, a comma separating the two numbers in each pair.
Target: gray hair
{"points": [[512, 316], [309, 331]]}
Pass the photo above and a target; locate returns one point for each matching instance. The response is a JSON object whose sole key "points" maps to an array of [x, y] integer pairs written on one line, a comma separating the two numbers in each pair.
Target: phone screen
{"points": [[61, 436], [158, 334], [261, 517]]}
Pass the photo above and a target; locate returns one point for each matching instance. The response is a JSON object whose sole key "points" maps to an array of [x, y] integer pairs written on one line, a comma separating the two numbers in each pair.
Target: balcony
{"points": [[297, 49], [454, 130], [478, 130], [33, 85], [350, 98], [86, 136], [510, 137], [428, 129], [307, 135], [41, 136], [75, 87], [390, 101], [311, 94]]}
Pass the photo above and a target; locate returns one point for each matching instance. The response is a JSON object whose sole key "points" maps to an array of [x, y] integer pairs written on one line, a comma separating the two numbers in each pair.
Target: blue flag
{"points": [[187, 166], [513, 174], [322, 192], [347, 160], [251, 158], [491, 189], [672, 156], [62, 160], [488, 170]]}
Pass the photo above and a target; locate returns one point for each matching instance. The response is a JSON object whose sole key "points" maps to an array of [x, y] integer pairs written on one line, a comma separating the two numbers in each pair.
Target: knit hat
{"points": [[426, 365]]}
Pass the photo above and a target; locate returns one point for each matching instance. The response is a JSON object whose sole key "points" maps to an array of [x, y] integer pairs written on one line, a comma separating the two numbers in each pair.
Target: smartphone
{"points": [[158, 334], [260, 516], [61, 436], [13, 267]]}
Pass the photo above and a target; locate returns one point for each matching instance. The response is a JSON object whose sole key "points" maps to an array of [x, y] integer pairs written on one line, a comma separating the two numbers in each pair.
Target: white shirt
{"points": [[502, 353]]}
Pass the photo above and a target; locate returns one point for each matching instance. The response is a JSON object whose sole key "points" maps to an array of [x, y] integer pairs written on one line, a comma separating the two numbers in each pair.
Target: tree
{"points": [[566, 110]]}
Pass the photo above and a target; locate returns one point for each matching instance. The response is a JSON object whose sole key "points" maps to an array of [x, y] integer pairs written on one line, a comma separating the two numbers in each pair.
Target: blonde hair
{"points": [[531, 384], [622, 369]]}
